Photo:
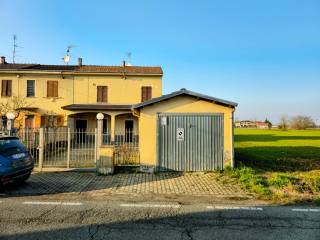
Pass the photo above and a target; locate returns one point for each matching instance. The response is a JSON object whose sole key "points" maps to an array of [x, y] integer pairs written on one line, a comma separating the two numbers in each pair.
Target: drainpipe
{"points": [[232, 141]]}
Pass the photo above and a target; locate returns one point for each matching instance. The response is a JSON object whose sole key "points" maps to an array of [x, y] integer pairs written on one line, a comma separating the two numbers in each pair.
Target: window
{"points": [[102, 94], [30, 88], [146, 93], [6, 88], [52, 88]]}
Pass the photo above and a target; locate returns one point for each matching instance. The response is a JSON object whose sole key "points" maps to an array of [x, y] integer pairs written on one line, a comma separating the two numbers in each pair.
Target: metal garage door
{"points": [[190, 142]]}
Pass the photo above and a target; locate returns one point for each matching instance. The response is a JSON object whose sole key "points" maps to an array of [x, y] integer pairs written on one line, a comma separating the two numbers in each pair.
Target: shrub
{"points": [[281, 180], [251, 180]]}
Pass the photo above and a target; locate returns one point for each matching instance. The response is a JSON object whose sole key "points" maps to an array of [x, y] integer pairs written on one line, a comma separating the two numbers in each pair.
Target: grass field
{"points": [[280, 165]]}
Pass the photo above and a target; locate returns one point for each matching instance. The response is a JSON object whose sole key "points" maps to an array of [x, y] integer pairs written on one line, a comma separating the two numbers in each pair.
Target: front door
{"points": [[128, 130], [81, 128], [29, 121]]}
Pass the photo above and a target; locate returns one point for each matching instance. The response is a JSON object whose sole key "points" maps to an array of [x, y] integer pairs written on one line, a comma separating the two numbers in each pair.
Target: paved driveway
{"points": [[139, 183]]}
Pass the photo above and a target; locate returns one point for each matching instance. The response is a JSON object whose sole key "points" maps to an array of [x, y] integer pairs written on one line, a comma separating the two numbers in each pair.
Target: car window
{"points": [[11, 146]]}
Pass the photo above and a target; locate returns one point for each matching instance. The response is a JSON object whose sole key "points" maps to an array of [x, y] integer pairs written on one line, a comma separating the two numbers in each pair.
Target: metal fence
{"points": [[60, 147], [64, 147], [126, 150]]}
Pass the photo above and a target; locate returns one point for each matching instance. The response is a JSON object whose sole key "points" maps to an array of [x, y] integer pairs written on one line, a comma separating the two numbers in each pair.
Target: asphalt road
{"points": [[26, 218]]}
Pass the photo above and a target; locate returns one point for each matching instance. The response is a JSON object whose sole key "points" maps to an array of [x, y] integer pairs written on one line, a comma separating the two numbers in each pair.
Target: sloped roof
{"points": [[186, 92], [83, 68]]}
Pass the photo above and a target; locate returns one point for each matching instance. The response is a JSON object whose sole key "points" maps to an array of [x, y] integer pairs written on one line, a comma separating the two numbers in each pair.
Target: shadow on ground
{"points": [[199, 225], [43, 183], [271, 138], [270, 158]]}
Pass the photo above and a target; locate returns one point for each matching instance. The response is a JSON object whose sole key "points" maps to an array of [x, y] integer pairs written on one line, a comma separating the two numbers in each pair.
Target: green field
{"points": [[283, 166], [278, 150]]}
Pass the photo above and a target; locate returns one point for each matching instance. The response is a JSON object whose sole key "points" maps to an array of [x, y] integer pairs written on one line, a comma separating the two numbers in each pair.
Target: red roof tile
{"points": [[84, 68]]}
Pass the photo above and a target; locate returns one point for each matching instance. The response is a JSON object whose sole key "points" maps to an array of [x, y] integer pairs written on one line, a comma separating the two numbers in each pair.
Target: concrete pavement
{"points": [[34, 218], [87, 183]]}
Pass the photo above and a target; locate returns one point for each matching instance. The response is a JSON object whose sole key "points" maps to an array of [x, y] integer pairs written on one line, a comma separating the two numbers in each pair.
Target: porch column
{"points": [[112, 127]]}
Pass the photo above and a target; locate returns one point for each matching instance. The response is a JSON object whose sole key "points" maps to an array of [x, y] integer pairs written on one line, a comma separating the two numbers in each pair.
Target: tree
{"points": [[301, 122], [16, 105], [269, 123], [284, 123]]}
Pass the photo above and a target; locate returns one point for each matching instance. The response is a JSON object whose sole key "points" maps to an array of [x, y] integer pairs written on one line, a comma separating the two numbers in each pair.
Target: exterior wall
{"points": [[120, 91], [78, 89], [120, 122], [181, 104]]}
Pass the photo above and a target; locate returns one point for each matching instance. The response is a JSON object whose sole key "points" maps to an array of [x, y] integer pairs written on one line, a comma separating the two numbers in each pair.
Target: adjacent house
{"points": [[251, 124], [184, 130]]}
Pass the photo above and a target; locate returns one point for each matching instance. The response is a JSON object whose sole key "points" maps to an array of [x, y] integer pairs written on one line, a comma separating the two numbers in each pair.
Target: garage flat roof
{"points": [[186, 92]]}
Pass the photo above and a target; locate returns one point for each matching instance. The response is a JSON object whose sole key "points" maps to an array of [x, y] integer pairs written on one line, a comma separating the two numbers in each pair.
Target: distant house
{"points": [[262, 125], [245, 124], [251, 124]]}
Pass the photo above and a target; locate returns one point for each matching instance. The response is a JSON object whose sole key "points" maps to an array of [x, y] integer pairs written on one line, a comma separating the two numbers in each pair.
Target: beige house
{"points": [[184, 130]]}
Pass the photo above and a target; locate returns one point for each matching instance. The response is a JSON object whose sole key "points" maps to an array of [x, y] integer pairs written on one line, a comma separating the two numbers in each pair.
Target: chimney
{"points": [[3, 60], [79, 61], [123, 63]]}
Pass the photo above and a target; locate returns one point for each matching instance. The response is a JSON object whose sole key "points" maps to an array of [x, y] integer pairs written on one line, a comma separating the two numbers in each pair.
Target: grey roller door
{"points": [[190, 142]]}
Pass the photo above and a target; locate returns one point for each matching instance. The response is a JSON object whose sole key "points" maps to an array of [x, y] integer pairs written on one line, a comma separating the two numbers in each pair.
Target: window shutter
{"points": [[102, 94], [9, 88], [30, 88], [55, 89], [146, 93], [49, 89], [3, 88], [105, 94], [52, 88], [99, 94], [143, 94], [149, 93]]}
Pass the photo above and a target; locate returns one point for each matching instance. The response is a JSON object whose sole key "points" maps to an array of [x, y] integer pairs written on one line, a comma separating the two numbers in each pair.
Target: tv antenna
{"points": [[129, 54], [15, 46], [66, 59]]}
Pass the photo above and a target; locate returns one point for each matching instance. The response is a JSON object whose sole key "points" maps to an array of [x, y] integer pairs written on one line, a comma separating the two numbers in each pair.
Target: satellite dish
{"points": [[66, 59]]}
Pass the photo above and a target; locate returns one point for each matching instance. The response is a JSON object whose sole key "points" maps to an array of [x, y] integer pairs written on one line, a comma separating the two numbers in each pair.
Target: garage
{"points": [[190, 142], [185, 131]]}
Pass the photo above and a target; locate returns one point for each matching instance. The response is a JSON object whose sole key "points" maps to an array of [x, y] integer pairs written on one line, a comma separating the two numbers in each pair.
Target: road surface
{"points": [[31, 218]]}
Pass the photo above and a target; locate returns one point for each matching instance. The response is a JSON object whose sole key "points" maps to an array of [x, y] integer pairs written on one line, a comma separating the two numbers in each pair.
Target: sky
{"points": [[264, 55]]}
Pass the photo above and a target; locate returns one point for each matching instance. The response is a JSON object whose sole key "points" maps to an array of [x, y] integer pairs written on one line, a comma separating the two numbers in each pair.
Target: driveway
{"points": [[90, 184]]}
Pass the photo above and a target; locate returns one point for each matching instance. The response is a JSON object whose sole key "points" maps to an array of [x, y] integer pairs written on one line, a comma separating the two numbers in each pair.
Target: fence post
{"points": [[41, 148], [95, 145], [69, 148]]}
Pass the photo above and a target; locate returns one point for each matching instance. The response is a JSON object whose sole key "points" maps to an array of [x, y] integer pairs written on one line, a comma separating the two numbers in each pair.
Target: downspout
{"points": [[232, 141]]}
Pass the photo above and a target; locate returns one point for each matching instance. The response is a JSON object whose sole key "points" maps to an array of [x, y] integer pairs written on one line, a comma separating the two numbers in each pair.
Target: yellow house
{"points": [[184, 130]]}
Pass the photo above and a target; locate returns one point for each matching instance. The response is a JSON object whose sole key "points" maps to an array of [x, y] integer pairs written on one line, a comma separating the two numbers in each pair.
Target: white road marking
{"points": [[54, 203], [306, 209], [150, 205], [235, 208]]}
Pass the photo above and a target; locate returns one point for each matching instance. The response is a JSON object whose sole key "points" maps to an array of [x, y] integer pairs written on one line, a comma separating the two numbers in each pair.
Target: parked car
{"points": [[16, 163]]}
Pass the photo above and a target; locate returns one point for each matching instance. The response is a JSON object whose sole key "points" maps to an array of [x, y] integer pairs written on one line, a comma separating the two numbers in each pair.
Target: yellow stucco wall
{"points": [[180, 104], [80, 89]]}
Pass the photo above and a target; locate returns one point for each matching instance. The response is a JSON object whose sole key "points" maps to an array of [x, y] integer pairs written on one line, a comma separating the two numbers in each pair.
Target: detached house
{"points": [[183, 131]]}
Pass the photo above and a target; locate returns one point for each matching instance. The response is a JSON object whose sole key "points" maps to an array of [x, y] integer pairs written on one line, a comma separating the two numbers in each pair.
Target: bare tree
{"points": [[16, 105], [284, 123], [301, 122], [269, 123]]}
